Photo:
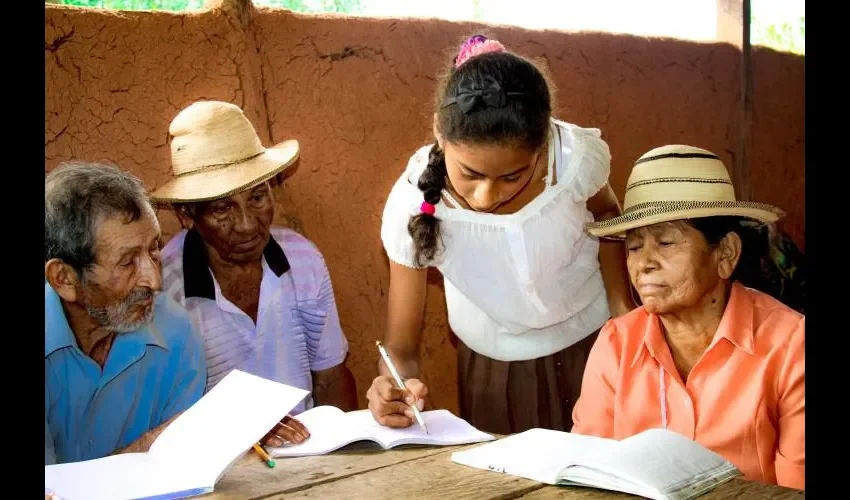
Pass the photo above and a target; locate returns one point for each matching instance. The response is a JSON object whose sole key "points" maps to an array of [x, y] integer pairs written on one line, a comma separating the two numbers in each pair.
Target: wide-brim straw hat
{"points": [[679, 182], [215, 153]]}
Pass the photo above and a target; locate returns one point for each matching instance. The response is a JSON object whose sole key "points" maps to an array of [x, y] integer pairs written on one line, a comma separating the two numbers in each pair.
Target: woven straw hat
{"points": [[215, 153], [679, 182]]}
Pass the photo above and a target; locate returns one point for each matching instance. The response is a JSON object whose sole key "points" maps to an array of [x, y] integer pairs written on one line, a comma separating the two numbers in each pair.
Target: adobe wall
{"points": [[357, 94]]}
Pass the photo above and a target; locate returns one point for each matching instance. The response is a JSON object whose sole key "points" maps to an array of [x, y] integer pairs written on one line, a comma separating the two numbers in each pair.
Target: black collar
{"points": [[197, 277]]}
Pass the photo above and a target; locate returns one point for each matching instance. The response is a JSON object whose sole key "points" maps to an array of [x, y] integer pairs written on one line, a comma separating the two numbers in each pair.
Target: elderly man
{"points": [[120, 361], [260, 295]]}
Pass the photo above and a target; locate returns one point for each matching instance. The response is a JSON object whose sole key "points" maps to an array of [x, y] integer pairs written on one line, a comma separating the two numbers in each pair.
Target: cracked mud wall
{"points": [[357, 94]]}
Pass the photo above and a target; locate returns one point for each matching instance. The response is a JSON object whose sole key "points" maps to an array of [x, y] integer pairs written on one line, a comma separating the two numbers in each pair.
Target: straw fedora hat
{"points": [[215, 153], [679, 182]]}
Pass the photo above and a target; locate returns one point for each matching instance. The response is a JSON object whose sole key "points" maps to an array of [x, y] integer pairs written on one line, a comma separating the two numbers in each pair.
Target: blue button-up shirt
{"points": [[150, 375]]}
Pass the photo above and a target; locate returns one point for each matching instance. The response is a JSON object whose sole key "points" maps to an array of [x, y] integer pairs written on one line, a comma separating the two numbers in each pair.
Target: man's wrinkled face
{"points": [[118, 291], [237, 228]]}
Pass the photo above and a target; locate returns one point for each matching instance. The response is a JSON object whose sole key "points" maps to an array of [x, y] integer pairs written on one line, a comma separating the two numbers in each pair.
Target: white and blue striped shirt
{"points": [[297, 330]]}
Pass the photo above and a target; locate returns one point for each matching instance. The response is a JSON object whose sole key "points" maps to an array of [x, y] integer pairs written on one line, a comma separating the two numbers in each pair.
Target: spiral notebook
{"points": [[191, 454], [657, 463]]}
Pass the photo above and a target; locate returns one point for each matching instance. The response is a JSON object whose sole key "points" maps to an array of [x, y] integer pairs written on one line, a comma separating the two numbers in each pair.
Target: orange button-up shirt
{"points": [[744, 399]]}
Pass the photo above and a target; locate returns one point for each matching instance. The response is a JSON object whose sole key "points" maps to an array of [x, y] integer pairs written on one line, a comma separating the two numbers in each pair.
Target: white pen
{"points": [[400, 382]]}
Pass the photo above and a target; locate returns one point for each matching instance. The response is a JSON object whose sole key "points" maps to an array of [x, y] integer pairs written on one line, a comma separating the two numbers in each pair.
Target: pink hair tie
{"points": [[427, 208], [477, 45]]}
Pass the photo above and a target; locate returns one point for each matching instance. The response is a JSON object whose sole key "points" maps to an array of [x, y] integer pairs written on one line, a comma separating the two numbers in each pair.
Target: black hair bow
{"points": [[469, 95]]}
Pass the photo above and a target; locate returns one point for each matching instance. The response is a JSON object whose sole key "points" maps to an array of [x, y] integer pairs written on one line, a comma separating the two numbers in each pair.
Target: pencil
{"points": [[265, 456], [400, 382]]}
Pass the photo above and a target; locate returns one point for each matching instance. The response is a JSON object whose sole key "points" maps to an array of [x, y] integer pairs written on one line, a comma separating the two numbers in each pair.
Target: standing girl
{"points": [[498, 204]]}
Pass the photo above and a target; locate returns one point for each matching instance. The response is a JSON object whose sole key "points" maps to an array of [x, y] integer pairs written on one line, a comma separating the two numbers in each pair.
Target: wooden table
{"points": [[359, 471]]}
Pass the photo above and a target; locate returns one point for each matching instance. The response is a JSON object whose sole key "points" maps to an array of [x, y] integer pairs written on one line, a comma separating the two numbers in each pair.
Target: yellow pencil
{"points": [[265, 456]]}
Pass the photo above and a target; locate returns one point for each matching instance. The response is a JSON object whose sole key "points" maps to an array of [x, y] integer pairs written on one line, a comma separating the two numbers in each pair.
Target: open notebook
{"points": [[656, 463], [191, 454], [331, 428]]}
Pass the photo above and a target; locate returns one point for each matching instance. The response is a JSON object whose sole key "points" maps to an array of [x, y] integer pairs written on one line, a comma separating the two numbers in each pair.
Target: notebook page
{"points": [[444, 429], [667, 462], [579, 476], [536, 454], [329, 431], [226, 422], [119, 477]]}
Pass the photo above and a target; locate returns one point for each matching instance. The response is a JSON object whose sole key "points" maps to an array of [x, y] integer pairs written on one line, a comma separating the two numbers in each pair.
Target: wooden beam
{"points": [[746, 125], [733, 26]]}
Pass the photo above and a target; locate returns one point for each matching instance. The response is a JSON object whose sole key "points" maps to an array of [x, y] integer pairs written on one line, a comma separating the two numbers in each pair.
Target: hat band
{"points": [[653, 208], [692, 204], [216, 166], [659, 180], [677, 155]]}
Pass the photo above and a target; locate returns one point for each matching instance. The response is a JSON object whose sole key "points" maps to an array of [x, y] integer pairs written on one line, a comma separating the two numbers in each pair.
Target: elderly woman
{"points": [[706, 355]]}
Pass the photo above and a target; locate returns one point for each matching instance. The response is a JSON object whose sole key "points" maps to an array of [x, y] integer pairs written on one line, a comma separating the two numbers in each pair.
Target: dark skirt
{"points": [[506, 397]]}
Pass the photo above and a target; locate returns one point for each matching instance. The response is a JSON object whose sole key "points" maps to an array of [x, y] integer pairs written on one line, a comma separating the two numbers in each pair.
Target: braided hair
{"points": [[490, 96]]}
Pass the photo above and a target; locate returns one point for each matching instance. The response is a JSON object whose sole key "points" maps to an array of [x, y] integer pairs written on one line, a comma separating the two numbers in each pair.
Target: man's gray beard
{"points": [[116, 317]]}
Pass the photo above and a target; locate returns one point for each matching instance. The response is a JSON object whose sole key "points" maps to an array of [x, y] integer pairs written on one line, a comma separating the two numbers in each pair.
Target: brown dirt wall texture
{"points": [[357, 94]]}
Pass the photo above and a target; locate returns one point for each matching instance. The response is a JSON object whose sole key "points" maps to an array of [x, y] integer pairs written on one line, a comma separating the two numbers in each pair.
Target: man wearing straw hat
{"points": [[707, 355], [260, 295]]}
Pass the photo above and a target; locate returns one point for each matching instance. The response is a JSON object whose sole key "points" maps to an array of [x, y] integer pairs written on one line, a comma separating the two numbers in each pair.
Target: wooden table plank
{"points": [[434, 476], [735, 489], [250, 478], [364, 471]]}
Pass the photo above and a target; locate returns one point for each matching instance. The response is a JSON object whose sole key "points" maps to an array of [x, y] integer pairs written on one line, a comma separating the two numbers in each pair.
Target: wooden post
{"points": [[733, 26], [744, 187]]}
